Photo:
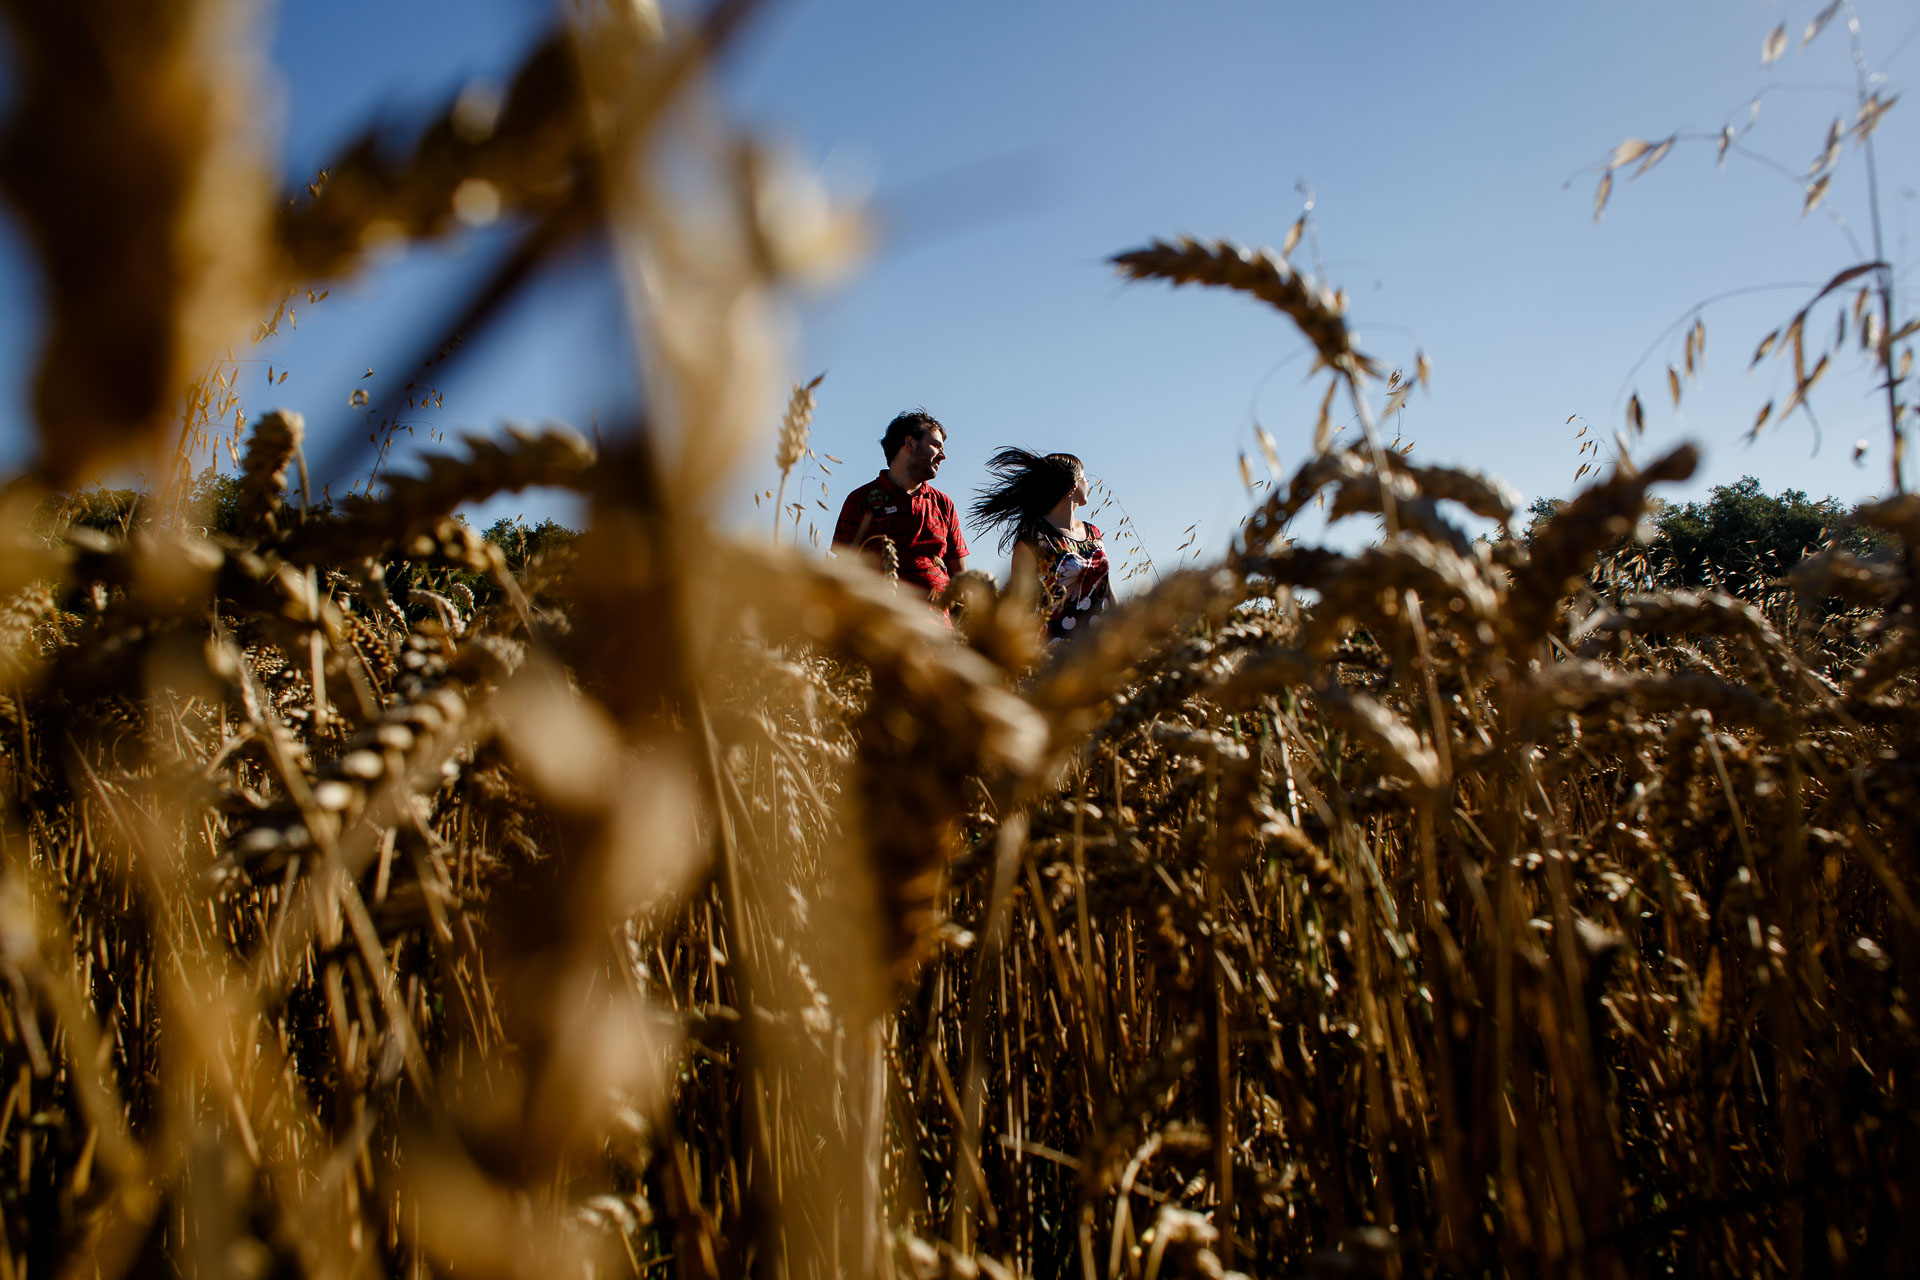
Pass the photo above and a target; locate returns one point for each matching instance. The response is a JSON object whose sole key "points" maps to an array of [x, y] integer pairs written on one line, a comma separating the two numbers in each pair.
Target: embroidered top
{"points": [[924, 526], [1075, 587]]}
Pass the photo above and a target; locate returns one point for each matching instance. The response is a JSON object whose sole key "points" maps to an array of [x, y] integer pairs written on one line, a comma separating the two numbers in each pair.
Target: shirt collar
{"points": [[887, 482]]}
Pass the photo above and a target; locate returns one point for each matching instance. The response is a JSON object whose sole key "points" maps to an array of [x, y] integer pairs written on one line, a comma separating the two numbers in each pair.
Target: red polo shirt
{"points": [[924, 527]]}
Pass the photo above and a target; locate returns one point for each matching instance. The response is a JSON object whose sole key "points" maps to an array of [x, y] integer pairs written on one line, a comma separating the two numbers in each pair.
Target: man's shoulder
{"points": [[868, 494], [940, 499]]}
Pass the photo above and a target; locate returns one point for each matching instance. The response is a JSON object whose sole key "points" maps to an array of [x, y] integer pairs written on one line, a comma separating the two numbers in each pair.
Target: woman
{"points": [[1031, 503]]}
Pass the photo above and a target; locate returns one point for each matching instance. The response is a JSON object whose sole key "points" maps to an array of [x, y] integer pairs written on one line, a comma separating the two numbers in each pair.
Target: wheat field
{"points": [[377, 900]]}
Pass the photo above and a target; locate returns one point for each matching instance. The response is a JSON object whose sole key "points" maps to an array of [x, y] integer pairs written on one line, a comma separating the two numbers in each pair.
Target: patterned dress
{"points": [[1074, 583]]}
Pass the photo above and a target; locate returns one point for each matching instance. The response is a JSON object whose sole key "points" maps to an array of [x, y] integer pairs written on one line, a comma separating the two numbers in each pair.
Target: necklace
{"points": [[1082, 544]]}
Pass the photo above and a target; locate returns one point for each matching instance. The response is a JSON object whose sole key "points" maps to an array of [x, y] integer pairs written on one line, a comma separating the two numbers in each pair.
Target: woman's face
{"points": [[1079, 494]]}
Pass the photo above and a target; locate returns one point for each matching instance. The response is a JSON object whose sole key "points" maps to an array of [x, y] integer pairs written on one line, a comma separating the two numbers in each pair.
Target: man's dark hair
{"points": [[910, 425]]}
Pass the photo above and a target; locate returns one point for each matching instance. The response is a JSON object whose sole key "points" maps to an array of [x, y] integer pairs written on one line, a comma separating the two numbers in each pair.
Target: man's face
{"points": [[925, 454]]}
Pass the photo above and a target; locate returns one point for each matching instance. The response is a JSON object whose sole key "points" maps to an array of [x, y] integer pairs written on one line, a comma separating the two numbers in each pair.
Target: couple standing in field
{"points": [[1033, 503]]}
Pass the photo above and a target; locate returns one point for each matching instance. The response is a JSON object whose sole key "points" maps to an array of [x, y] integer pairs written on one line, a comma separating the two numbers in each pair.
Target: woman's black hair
{"points": [[1026, 485]]}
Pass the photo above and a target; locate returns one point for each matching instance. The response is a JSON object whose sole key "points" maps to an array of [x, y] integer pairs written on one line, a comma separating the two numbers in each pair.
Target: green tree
{"points": [[1739, 539], [1742, 537], [520, 543]]}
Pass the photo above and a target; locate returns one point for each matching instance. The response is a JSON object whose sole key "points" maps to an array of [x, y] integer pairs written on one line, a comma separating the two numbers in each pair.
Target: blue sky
{"points": [[1013, 147]]}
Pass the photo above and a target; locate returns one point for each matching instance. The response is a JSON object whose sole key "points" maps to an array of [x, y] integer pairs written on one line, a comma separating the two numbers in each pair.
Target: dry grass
{"points": [[682, 905]]}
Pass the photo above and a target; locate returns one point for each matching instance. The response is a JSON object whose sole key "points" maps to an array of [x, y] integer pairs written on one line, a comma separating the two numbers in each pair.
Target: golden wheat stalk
{"points": [[1562, 550], [1319, 311], [263, 473], [133, 159], [414, 505], [795, 426], [488, 155]]}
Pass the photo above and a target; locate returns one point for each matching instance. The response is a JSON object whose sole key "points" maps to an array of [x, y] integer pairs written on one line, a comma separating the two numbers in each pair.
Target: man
{"points": [[901, 505]]}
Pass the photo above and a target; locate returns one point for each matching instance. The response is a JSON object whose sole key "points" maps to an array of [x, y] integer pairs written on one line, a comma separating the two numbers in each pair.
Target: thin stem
{"points": [[1389, 509], [1694, 313], [1126, 518], [1883, 278]]}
